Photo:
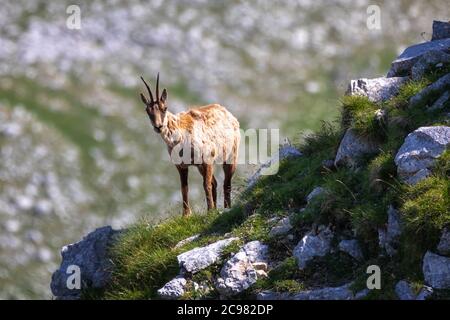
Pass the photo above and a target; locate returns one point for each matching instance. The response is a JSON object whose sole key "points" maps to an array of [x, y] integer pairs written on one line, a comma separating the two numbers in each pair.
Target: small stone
{"points": [[419, 151], [200, 258], [404, 291], [174, 289], [317, 191], [389, 238], [281, 228], [312, 246], [186, 241]]}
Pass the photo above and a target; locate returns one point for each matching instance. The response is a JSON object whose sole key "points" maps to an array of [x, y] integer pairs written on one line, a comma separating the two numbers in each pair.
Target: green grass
{"points": [[359, 113], [145, 258]]}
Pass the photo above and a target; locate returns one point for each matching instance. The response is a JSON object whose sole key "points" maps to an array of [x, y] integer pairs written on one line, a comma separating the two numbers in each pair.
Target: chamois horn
{"points": [[148, 88]]}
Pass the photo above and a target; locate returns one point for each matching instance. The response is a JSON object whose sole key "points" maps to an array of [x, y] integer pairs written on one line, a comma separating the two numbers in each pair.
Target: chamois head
{"points": [[156, 109]]}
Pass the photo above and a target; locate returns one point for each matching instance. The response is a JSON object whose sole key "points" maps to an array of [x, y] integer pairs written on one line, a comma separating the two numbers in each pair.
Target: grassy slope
{"points": [[357, 200]]}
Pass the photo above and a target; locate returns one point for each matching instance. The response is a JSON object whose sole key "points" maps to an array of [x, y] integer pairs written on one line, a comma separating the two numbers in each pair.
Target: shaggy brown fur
{"points": [[211, 130]]}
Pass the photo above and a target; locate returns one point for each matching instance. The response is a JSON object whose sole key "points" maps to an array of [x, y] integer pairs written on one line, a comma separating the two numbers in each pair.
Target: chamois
{"points": [[202, 136]]}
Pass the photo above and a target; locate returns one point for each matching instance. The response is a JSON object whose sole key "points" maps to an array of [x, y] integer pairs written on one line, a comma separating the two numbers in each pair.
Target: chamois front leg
{"points": [[207, 172], [184, 190]]}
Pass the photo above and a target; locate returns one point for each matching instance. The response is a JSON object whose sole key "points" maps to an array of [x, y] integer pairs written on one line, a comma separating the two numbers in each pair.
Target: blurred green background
{"points": [[76, 147]]}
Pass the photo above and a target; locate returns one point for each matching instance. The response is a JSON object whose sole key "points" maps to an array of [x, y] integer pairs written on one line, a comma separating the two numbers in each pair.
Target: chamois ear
{"points": [[144, 99], [164, 96]]}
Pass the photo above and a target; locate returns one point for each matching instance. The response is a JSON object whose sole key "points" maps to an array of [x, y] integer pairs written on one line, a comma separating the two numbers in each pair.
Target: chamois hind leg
{"points": [[214, 186], [184, 190], [214, 190], [206, 171], [228, 170]]}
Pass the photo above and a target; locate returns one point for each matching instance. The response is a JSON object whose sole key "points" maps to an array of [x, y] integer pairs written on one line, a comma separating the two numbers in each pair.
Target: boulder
{"points": [[376, 90], [435, 89], [281, 228], [353, 147], [441, 30], [242, 270], [416, 156], [436, 270], [389, 238], [352, 248], [444, 244], [404, 291], [427, 62], [197, 259], [271, 166], [311, 246], [174, 289], [91, 256], [404, 62], [317, 191]]}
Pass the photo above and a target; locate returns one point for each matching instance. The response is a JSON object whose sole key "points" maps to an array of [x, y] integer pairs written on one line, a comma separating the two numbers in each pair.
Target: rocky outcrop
{"points": [[444, 243], [281, 228], [352, 248], [389, 237], [436, 270], [198, 259], [91, 256], [312, 246], [329, 293], [353, 147], [243, 269], [376, 90], [419, 151], [403, 64]]}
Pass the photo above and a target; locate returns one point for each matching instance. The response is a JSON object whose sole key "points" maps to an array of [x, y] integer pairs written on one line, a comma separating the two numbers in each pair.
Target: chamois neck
{"points": [[170, 132]]}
